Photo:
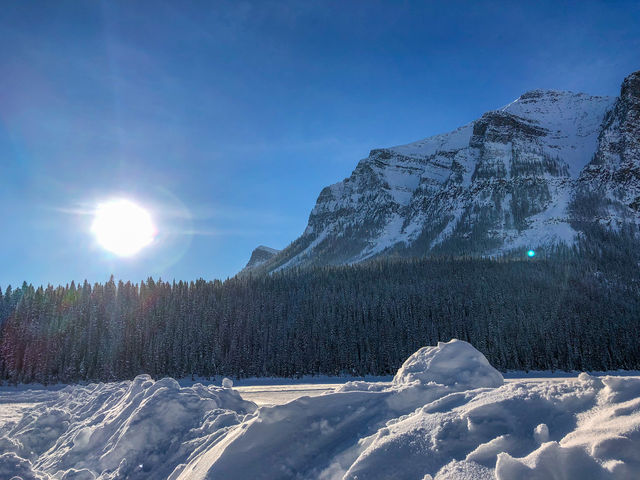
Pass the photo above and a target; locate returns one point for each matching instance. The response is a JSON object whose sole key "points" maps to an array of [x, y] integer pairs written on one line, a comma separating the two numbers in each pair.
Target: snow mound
{"points": [[134, 430], [454, 364], [551, 462]]}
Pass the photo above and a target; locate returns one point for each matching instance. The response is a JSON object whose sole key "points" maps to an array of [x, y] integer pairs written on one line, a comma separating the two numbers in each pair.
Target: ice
{"points": [[447, 415]]}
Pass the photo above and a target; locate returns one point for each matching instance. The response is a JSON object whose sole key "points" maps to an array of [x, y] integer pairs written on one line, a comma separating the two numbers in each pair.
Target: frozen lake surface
{"points": [[279, 394]]}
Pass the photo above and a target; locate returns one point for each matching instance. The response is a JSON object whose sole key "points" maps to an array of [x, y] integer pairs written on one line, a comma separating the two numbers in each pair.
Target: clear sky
{"points": [[226, 119]]}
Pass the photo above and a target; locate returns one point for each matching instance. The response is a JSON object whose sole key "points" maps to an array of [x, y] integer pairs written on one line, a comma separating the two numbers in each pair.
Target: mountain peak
{"points": [[259, 256], [540, 93], [631, 85]]}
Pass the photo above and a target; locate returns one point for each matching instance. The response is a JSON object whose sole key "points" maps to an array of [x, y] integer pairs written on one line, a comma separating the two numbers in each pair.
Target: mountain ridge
{"points": [[514, 179]]}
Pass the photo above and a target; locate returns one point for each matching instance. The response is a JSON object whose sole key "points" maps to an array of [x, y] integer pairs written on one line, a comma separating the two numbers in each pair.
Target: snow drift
{"points": [[454, 364], [138, 429], [448, 414]]}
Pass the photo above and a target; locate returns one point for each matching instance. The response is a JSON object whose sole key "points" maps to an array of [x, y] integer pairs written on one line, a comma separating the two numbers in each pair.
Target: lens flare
{"points": [[531, 253], [123, 227]]}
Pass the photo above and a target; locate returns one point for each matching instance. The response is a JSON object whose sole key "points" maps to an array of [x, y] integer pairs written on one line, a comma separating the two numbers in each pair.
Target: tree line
{"points": [[574, 308]]}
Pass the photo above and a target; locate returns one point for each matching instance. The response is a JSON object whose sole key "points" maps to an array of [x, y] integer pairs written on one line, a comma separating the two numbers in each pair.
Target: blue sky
{"points": [[226, 119]]}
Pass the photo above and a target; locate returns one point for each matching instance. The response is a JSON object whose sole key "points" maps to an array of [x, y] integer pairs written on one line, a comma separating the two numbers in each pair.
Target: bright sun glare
{"points": [[122, 227]]}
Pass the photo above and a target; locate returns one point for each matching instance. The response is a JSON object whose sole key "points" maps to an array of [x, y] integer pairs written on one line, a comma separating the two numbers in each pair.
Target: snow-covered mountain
{"points": [[520, 177], [260, 255]]}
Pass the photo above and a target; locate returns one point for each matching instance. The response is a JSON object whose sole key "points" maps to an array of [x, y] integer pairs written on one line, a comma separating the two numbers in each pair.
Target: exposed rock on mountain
{"points": [[609, 186], [527, 175], [260, 255]]}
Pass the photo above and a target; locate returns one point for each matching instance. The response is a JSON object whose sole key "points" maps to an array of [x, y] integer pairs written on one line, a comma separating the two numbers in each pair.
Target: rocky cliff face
{"points": [[608, 189], [526, 175], [259, 256]]}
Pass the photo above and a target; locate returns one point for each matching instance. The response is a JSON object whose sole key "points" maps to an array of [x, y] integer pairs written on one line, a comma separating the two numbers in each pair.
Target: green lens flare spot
{"points": [[531, 253]]}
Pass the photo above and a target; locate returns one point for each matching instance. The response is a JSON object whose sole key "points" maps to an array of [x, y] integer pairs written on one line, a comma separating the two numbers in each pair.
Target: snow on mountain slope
{"points": [[573, 122], [513, 179]]}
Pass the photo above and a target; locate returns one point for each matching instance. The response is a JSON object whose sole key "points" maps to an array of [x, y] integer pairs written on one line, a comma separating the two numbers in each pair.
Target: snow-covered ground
{"points": [[447, 414], [267, 395]]}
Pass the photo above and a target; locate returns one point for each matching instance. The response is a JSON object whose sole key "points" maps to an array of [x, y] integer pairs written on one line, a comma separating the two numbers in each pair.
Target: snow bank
{"points": [[448, 415], [604, 444], [454, 364], [137, 429], [473, 427]]}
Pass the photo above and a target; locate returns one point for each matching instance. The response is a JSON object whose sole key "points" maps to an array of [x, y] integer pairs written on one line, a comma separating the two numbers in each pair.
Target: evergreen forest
{"points": [[570, 308]]}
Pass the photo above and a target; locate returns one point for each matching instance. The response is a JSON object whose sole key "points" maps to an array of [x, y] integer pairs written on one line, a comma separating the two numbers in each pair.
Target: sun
{"points": [[123, 227]]}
